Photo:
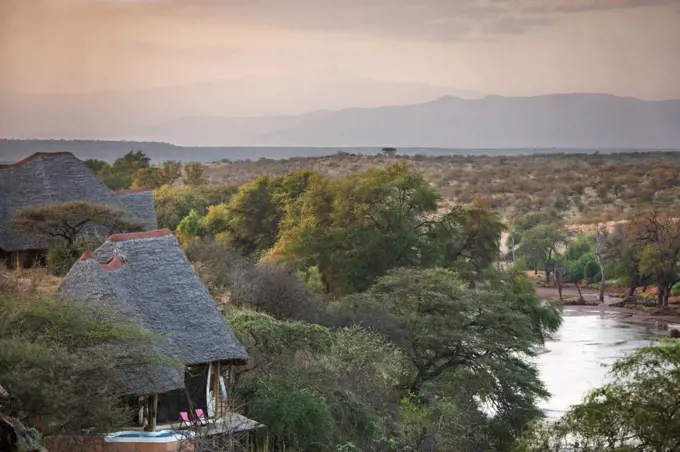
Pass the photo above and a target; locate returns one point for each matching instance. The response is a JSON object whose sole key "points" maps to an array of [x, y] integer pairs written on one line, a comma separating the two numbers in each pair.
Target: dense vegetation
{"points": [[381, 315], [584, 187]]}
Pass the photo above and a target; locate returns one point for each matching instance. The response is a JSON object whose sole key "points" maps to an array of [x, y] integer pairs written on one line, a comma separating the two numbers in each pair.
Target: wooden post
{"points": [[152, 402], [216, 389]]}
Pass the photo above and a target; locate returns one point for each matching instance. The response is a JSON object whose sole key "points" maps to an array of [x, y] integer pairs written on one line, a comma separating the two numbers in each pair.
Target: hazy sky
{"points": [[513, 47]]}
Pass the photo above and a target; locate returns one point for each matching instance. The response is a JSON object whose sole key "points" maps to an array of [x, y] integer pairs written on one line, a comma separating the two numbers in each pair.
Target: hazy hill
{"points": [[15, 150], [119, 114], [561, 120]]}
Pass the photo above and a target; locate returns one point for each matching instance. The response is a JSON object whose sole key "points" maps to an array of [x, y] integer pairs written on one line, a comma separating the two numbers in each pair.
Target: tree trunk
{"points": [[580, 295], [598, 256], [631, 290], [666, 295], [558, 279], [512, 246]]}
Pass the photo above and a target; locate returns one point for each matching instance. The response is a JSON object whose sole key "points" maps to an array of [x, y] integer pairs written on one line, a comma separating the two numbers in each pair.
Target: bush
{"points": [[675, 290], [61, 258], [296, 417], [50, 354]]}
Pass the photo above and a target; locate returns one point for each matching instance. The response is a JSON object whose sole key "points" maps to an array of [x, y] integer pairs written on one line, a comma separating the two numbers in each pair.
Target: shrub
{"points": [[675, 290], [296, 417], [61, 258]]}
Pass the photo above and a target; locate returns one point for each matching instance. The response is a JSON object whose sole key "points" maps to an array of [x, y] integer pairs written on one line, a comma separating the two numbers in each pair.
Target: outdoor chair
{"points": [[186, 422], [202, 418]]}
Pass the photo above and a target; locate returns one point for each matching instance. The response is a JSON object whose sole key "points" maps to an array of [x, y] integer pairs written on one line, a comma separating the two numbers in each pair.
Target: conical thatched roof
{"points": [[50, 178], [147, 278]]}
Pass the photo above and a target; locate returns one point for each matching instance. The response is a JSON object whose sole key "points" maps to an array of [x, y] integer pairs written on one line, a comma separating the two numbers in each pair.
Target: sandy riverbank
{"points": [[649, 318]]}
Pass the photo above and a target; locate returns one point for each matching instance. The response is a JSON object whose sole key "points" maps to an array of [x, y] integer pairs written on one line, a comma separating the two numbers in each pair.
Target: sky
{"points": [[510, 48]]}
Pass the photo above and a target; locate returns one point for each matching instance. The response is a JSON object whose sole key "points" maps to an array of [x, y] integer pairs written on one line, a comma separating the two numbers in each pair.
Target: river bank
{"points": [[650, 318]]}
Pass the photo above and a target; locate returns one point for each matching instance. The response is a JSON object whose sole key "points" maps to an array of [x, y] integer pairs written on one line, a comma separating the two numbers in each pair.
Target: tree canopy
{"points": [[68, 221]]}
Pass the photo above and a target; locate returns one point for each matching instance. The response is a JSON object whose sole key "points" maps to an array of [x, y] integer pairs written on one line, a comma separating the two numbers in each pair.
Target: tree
{"points": [[70, 220], [97, 166], [131, 162], [194, 174], [51, 352], [476, 342], [253, 216], [600, 238], [355, 228], [636, 411], [167, 173], [539, 246], [623, 255], [445, 329], [389, 152], [174, 203], [658, 240], [469, 238]]}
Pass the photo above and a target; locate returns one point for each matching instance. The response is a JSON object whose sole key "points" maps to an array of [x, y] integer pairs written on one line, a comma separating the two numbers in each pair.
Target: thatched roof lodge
{"points": [[147, 279], [51, 178]]}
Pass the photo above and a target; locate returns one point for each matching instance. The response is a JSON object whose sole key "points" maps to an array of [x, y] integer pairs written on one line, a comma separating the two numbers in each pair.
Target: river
{"points": [[576, 359]]}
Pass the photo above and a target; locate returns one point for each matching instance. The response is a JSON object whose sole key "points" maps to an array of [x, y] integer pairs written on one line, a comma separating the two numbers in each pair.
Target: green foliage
{"points": [[636, 411], [675, 290], [191, 225], [68, 221], [540, 243], [295, 415], [194, 175], [167, 173], [174, 204], [61, 258], [119, 175], [51, 351], [252, 217], [476, 342], [347, 374], [312, 279]]}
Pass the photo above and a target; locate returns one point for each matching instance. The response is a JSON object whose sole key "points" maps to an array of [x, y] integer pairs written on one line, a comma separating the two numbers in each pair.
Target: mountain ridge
{"points": [[569, 120]]}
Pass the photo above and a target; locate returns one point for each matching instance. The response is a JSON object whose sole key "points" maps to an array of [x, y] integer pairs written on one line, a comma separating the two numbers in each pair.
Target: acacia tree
{"points": [[70, 220], [476, 342], [52, 352], [194, 174], [539, 246], [658, 239]]}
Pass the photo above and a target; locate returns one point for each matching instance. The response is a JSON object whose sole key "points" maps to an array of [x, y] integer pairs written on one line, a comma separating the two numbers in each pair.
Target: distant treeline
{"points": [[14, 150]]}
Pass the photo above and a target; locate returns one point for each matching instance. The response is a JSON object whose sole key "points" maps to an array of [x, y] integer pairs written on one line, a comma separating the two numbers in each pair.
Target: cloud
{"points": [[509, 25], [433, 20], [578, 6]]}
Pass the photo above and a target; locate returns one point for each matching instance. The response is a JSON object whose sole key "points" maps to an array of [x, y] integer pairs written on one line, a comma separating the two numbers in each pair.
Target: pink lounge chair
{"points": [[184, 416], [202, 418]]}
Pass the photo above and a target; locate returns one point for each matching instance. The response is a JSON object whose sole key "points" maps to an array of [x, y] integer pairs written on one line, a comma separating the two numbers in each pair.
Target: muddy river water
{"points": [[575, 362]]}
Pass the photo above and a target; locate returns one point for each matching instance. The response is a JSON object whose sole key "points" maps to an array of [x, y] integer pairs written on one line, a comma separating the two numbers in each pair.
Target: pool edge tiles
{"points": [[136, 436]]}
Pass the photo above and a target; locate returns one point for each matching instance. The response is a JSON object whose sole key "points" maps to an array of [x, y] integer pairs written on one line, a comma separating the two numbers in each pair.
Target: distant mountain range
{"points": [[560, 120], [118, 114], [565, 121]]}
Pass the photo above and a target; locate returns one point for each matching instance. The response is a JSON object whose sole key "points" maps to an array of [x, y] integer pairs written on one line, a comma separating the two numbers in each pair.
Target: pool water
{"points": [[161, 434], [134, 436]]}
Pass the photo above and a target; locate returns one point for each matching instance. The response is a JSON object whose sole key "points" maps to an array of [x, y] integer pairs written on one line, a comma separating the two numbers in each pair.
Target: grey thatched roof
{"points": [[140, 203], [148, 279], [50, 178]]}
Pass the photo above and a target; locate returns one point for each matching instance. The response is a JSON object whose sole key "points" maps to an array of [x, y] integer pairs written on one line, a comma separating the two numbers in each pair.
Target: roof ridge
{"points": [[153, 234], [87, 255], [35, 156], [132, 191]]}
